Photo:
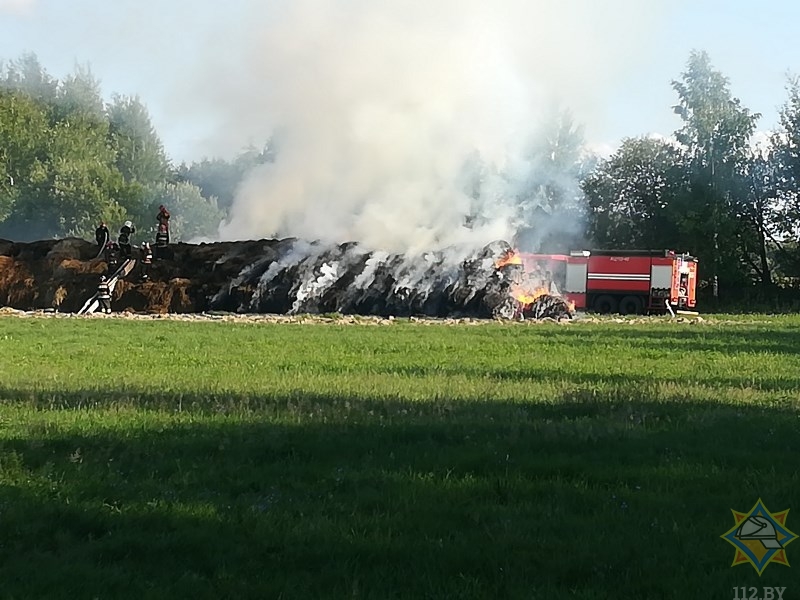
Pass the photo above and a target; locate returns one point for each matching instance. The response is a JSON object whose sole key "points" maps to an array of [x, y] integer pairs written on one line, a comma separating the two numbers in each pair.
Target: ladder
{"points": [[92, 304]]}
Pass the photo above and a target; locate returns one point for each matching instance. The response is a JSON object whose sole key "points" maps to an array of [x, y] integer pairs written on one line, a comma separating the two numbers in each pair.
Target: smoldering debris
{"points": [[316, 278], [547, 306], [282, 277]]}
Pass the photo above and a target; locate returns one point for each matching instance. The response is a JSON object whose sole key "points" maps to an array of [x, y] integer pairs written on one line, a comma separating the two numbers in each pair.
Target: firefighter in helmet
{"points": [[124, 238], [162, 241], [104, 295], [163, 221], [146, 261]]}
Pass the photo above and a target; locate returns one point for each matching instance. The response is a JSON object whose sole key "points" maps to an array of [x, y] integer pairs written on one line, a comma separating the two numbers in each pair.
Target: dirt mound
{"points": [[267, 276]]}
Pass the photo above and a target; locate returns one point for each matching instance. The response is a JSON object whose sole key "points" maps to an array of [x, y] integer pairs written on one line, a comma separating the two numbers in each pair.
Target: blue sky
{"points": [[168, 52]]}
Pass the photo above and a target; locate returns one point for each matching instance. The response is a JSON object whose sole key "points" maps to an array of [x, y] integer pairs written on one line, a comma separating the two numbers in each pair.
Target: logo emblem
{"points": [[760, 537]]}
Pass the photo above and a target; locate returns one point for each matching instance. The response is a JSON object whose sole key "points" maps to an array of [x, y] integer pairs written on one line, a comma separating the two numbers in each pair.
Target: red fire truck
{"points": [[612, 281]]}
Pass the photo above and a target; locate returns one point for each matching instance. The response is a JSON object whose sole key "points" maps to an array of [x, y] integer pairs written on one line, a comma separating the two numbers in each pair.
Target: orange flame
{"points": [[510, 258], [527, 297], [527, 292]]}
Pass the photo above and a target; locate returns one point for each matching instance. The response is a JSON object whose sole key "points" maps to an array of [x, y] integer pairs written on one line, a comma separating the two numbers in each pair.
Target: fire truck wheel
{"points": [[605, 304], [630, 305]]}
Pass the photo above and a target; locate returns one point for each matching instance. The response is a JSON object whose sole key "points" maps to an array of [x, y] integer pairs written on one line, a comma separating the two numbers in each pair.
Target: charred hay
{"points": [[286, 277]]}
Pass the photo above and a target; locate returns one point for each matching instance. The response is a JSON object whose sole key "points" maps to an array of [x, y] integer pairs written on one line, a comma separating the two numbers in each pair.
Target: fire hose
{"points": [[102, 247]]}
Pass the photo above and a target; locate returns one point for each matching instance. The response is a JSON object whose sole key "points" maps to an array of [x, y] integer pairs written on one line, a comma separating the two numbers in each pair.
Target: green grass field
{"points": [[166, 459]]}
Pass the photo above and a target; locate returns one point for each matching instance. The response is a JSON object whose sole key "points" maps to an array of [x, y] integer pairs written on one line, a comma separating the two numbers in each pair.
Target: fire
{"points": [[526, 297], [529, 284], [510, 258]]}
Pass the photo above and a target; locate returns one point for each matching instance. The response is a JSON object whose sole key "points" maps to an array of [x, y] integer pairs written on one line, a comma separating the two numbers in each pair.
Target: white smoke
{"points": [[379, 107], [314, 287], [301, 250]]}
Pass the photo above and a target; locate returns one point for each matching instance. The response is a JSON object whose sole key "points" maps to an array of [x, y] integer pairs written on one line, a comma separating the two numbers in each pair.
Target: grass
{"points": [[166, 459]]}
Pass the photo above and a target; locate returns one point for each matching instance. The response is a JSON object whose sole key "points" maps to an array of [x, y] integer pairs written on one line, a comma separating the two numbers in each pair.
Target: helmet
{"points": [[128, 224]]}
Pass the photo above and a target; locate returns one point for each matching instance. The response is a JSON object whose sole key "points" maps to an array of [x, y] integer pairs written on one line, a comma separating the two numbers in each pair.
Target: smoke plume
{"points": [[399, 122]]}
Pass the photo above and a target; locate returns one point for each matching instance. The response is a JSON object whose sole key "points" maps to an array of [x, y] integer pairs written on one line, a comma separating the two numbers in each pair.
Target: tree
{"points": [[54, 139], [760, 211], [220, 179], [716, 133], [23, 138], [70, 188], [192, 215], [776, 182], [79, 98], [786, 154], [635, 197], [26, 75], [550, 202], [140, 153]]}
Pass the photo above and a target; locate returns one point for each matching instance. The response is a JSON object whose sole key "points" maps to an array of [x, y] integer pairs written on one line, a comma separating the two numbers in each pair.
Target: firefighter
{"points": [[112, 257], [147, 261], [124, 238], [162, 241], [104, 295], [163, 221], [102, 235]]}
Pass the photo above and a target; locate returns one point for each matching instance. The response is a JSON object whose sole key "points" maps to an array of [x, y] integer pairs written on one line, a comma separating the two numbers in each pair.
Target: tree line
{"points": [[710, 189], [716, 188], [69, 159]]}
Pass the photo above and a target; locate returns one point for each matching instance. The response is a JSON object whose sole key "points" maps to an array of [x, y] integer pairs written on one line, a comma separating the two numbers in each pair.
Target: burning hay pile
{"points": [[309, 278], [545, 306], [288, 277], [531, 294], [313, 278]]}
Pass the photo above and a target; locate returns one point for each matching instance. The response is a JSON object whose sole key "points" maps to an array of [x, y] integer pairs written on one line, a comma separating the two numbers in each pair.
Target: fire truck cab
{"points": [[621, 281]]}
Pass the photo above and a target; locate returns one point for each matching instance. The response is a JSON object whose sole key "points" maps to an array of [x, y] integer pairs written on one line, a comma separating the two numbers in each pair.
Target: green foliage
{"points": [[69, 159], [69, 186], [636, 196], [192, 215], [716, 133], [56, 150], [716, 128], [786, 144], [27, 76], [23, 140], [79, 97], [140, 156], [147, 459], [708, 193], [219, 179]]}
